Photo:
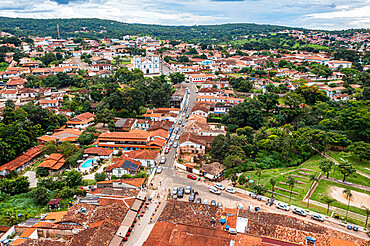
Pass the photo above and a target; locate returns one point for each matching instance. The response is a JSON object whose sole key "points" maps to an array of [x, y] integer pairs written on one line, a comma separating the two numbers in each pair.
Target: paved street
{"points": [[82, 64]]}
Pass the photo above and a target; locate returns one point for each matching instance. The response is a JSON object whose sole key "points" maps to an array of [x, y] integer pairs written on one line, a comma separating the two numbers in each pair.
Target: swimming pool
{"points": [[87, 163]]}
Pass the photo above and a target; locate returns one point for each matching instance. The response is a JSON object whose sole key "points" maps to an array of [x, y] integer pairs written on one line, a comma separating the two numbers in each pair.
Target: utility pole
{"points": [[58, 31]]}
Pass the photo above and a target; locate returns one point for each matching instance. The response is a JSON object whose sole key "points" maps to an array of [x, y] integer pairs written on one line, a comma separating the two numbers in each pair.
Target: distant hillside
{"points": [[98, 28]]}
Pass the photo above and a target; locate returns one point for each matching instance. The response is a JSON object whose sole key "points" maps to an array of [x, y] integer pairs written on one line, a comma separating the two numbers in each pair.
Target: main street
{"points": [[171, 177]]}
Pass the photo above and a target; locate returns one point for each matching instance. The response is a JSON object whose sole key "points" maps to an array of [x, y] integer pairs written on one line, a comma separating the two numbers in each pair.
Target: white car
{"points": [[219, 186], [177, 137], [188, 189], [175, 190], [175, 145], [240, 206], [159, 169], [205, 201], [163, 160], [230, 190], [214, 190], [282, 206]]}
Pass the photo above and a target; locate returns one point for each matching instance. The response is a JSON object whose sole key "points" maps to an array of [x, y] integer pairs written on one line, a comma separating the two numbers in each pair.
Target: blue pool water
{"points": [[87, 163]]}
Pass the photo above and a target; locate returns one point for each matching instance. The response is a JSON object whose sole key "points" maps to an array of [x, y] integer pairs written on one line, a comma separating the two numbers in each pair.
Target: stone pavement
{"points": [[144, 226], [32, 178]]}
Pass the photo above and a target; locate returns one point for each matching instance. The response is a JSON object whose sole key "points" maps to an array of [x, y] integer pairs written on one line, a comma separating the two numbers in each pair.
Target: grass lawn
{"points": [[237, 75], [281, 101], [323, 189], [20, 204], [359, 165], [33, 167], [281, 174]]}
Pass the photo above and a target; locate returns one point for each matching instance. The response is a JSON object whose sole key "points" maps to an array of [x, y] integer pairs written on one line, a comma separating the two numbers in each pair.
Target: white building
{"points": [[149, 64]]}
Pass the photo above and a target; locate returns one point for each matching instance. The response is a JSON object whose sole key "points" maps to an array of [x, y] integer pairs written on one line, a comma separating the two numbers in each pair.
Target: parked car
{"points": [[205, 201], [188, 189], [240, 206], [349, 227], [282, 206], [163, 160], [254, 196], [192, 197], [159, 168], [192, 176], [177, 137], [230, 190], [299, 211], [198, 200], [167, 150], [175, 145], [219, 204], [355, 228], [180, 121], [187, 116], [183, 124], [180, 193], [219, 186], [170, 143], [214, 190], [259, 198], [251, 208], [257, 209], [317, 217], [213, 202], [175, 190]]}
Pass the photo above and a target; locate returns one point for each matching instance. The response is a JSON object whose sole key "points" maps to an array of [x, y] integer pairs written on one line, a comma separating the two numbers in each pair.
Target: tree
{"points": [[15, 186], [313, 179], [258, 174], [291, 182], [348, 194], [273, 183], [360, 149], [219, 147], [40, 196], [100, 176], [111, 126], [232, 161], [326, 166], [42, 172], [367, 212], [177, 78], [67, 149], [86, 138], [293, 100], [104, 116], [73, 178], [346, 169], [50, 147], [234, 179], [328, 201], [269, 100]]}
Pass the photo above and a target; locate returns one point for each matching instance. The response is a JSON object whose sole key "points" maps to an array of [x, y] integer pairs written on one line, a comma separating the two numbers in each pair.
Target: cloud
{"points": [[322, 14]]}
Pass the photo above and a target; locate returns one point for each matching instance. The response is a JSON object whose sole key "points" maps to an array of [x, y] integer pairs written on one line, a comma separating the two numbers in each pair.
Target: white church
{"points": [[148, 64]]}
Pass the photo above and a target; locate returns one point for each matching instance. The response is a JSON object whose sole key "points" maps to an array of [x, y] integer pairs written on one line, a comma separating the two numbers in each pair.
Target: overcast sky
{"points": [[317, 14]]}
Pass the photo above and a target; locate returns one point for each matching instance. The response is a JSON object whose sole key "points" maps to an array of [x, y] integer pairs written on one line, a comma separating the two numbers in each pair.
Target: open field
{"points": [[359, 199], [359, 165]]}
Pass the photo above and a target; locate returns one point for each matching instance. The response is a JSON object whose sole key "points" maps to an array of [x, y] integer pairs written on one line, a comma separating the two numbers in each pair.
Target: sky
{"points": [[313, 14]]}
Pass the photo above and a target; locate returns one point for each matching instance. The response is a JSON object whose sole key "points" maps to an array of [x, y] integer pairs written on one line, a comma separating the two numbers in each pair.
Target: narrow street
{"points": [[82, 64]]}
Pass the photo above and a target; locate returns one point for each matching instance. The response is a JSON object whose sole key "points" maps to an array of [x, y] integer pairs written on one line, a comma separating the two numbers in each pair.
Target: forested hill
{"points": [[98, 28]]}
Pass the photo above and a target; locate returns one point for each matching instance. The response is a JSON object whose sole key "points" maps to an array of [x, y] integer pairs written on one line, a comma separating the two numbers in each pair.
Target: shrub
{"points": [[42, 172], [40, 196]]}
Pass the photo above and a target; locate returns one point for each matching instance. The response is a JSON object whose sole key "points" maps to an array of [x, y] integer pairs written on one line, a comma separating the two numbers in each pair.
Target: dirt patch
{"points": [[358, 199]]}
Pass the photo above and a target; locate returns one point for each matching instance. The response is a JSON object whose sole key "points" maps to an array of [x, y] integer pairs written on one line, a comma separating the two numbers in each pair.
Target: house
{"points": [[125, 125], [142, 124], [101, 66], [126, 141], [21, 162], [166, 125], [192, 143], [201, 109], [178, 99], [99, 152], [134, 183], [121, 166], [214, 171], [49, 103], [147, 157], [54, 162], [81, 121], [61, 136], [149, 64], [10, 94]]}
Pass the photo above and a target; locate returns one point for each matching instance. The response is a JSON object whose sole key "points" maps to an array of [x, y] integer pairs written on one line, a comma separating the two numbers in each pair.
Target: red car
{"points": [[192, 176], [166, 151]]}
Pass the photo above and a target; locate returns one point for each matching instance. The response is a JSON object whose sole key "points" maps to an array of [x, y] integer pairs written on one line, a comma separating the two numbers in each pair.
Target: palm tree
{"points": [[258, 174], [347, 192], [291, 182], [367, 211], [272, 182], [234, 178], [313, 178], [328, 201]]}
